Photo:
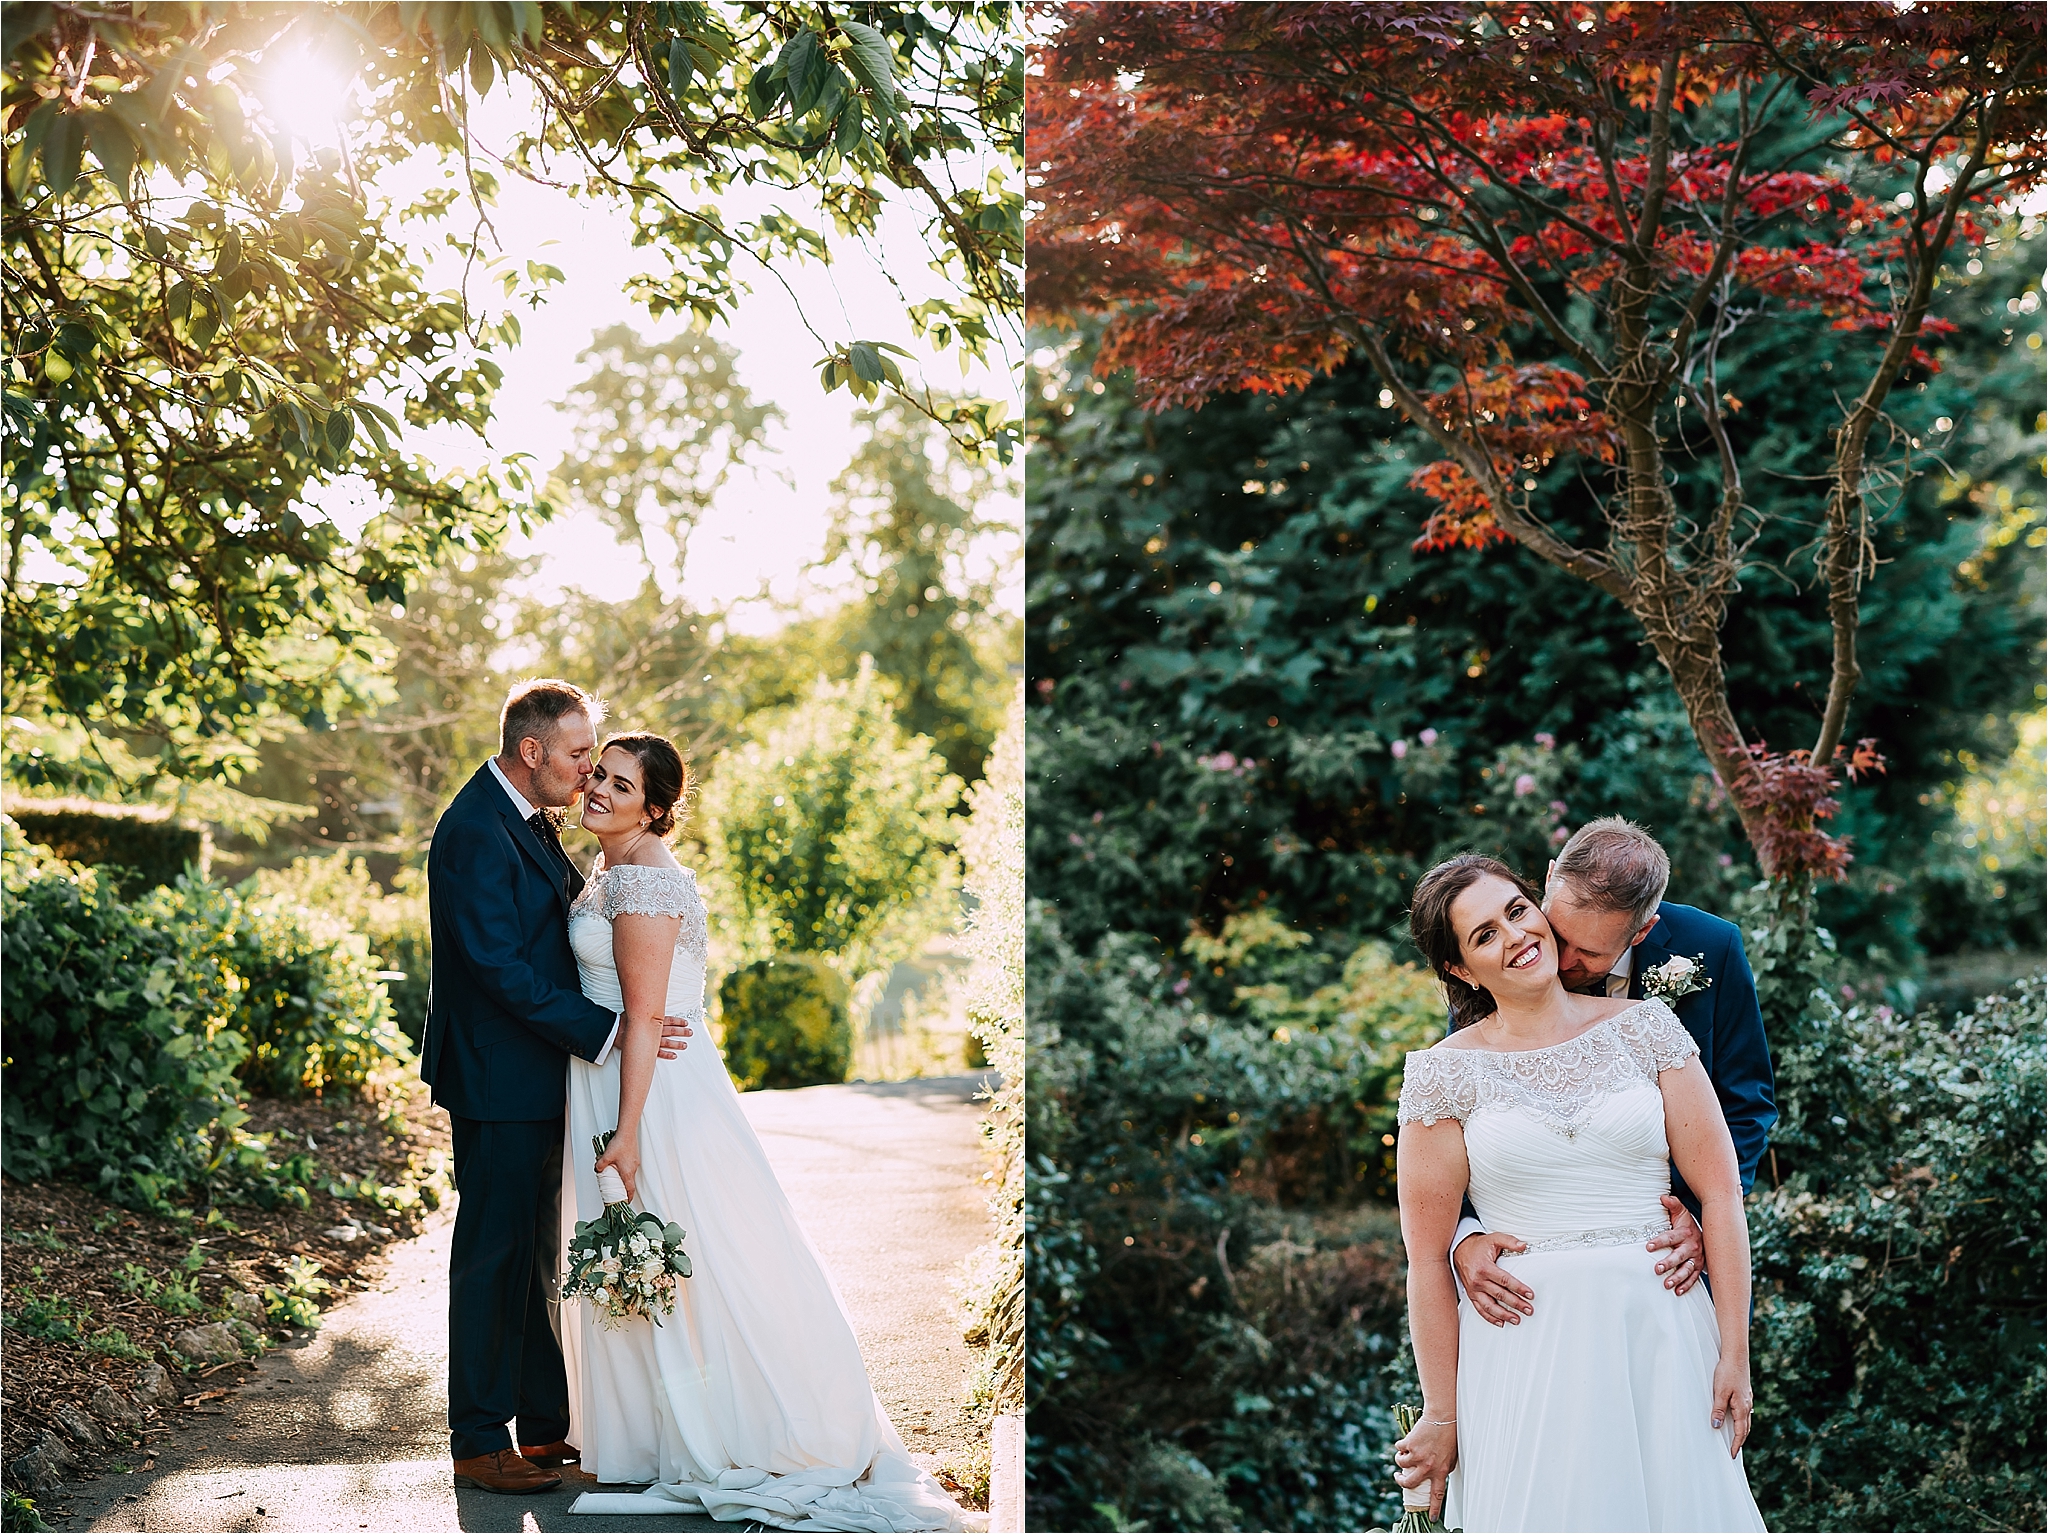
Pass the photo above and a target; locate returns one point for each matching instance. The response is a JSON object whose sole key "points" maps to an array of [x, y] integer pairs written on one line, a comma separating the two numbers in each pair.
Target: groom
{"points": [[1604, 895], [503, 1017]]}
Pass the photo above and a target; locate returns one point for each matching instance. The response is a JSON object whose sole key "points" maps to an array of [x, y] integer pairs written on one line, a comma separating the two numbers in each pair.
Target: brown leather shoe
{"points": [[560, 1452], [503, 1470]]}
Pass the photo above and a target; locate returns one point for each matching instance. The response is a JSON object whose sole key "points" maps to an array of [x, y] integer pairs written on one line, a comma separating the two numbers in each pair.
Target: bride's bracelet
{"points": [[1453, 1422]]}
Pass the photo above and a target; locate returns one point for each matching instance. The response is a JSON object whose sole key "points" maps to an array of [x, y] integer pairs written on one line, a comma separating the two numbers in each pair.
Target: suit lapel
{"points": [[559, 872], [1650, 952]]}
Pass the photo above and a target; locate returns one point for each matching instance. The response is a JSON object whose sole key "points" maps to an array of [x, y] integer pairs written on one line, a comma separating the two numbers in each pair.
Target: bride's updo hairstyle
{"points": [[664, 780], [1429, 924]]}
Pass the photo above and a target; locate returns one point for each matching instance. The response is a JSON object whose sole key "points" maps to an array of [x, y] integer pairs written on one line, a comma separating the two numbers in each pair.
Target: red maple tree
{"points": [[1539, 223]]}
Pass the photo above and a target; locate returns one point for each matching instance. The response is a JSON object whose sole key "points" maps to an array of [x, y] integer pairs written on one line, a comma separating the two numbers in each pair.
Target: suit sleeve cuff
{"points": [[610, 1039]]}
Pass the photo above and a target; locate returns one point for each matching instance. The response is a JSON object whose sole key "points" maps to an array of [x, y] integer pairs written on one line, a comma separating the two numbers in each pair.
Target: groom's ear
{"points": [[1652, 922], [532, 752]]}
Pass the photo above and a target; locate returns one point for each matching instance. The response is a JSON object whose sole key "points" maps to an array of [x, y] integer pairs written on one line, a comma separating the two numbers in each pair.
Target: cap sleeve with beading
{"points": [[1652, 1033], [633, 889], [1436, 1084]]}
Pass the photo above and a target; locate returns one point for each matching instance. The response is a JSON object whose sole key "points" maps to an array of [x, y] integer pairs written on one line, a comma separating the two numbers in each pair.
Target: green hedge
{"points": [[785, 1023], [134, 1028], [1212, 1317], [147, 847], [395, 923], [1899, 1251], [120, 1059]]}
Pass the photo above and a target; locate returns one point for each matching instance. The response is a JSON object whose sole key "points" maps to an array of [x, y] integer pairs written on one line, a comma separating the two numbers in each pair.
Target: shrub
{"points": [[831, 832], [126, 1029], [395, 923], [311, 1007], [1210, 1326], [785, 1024], [1899, 1253], [120, 1058], [143, 846]]}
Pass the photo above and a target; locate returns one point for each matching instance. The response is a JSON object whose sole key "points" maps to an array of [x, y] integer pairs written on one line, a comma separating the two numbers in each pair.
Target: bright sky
{"points": [[768, 523]]}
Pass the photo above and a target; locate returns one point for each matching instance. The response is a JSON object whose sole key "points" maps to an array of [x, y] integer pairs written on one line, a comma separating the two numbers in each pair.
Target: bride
{"points": [[1617, 1405], [751, 1400]]}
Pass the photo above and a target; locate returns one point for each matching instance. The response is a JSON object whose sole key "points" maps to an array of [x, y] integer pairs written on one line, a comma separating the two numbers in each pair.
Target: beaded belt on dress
{"points": [[1611, 1235]]}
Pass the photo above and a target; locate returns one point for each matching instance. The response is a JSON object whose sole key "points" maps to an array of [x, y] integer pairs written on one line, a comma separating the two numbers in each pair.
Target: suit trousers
{"points": [[504, 1356]]}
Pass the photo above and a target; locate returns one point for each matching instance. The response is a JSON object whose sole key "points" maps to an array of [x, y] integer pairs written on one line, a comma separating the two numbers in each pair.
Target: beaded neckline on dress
{"points": [[1612, 1017], [1557, 1083]]}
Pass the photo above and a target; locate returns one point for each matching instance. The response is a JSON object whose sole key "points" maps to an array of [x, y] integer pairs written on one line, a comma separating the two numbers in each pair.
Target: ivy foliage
{"points": [[1898, 1243], [1213, 1318]]}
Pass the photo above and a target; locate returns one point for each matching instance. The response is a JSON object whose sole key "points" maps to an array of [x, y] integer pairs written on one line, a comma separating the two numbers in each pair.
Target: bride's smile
{"points": [[1507, 939]]}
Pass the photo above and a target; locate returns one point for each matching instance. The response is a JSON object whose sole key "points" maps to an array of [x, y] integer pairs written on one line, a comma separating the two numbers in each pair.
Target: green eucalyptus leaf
{"points": [[679, 67]]}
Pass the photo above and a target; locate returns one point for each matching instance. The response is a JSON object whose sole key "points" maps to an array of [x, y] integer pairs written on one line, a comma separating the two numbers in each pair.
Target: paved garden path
{"points": [[348, 1430]]}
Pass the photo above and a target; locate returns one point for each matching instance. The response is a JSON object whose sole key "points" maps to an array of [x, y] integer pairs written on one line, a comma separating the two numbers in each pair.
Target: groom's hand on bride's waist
{"points": [[1683, 1251], [675, 1036], [1496, 1294]]}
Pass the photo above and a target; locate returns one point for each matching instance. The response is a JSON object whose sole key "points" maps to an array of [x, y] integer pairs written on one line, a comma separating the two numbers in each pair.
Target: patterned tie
{"points": [[544, 827]]}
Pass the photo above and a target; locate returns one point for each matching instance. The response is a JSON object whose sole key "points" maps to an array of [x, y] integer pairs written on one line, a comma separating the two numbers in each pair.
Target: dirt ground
{"points": [[345, 1428]]}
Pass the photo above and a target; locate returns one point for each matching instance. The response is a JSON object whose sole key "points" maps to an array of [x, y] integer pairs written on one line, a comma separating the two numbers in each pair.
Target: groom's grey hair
{"points": [[534, 709], [1616, 865]]}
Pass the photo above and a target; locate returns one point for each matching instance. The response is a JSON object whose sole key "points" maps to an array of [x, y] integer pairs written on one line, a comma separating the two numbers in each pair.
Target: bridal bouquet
{"points": [[1415, 1518], [625, 1263]]}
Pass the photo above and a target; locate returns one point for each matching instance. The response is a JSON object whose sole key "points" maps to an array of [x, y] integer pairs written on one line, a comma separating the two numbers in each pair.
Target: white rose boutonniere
{"points": [[1677, 976]]}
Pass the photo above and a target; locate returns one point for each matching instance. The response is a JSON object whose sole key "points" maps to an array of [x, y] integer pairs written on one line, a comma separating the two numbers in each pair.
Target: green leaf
{"points": [[872, 63], [867, 366], [804, 64], [62, 148], [848, 133], [761, 91], [482, 71], [115, 151], [178, 302], [341, 430], [679, 67]]}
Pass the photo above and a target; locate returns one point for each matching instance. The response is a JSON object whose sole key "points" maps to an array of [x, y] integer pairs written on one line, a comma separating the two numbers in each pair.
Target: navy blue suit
{"points": [[1724, 1021], [503, 1016]]}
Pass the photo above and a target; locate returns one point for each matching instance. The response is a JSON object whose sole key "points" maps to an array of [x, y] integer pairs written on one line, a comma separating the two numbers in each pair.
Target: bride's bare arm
{"points": [[643, 948], [1431, 1173], [1705, 1156]]}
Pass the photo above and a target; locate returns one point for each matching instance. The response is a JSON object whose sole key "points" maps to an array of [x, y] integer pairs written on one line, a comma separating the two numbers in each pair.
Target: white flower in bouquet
{"points": [[625, 1261], [1677, 976]]}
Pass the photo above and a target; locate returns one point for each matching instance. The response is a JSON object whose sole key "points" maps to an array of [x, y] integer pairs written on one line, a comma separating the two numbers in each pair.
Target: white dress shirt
{"points": [[526, 812]]}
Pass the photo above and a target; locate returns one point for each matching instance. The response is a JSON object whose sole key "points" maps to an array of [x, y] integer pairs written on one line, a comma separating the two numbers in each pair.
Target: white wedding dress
{"points": [[1595, 1412], [751, 1400]]}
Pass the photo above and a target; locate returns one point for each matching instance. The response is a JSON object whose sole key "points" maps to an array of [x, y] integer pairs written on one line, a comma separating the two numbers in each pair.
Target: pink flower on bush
{"points": [[1400, 749], [1222, 761], [1546, 740], [1427, 737], [1525, 785]]}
